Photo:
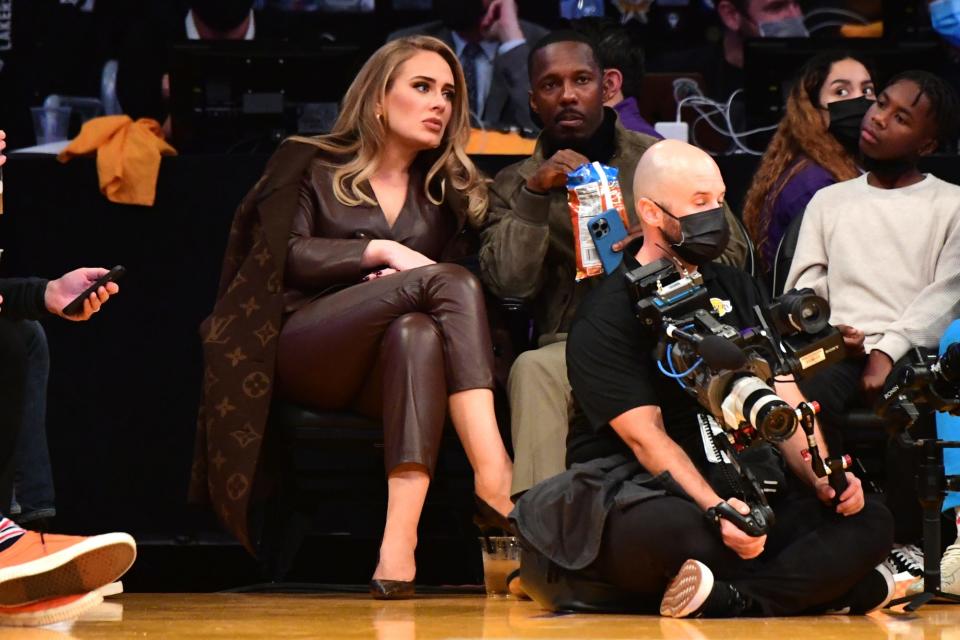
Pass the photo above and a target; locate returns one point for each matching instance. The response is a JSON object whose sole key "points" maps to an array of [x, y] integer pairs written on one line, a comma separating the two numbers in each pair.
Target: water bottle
{"points": [[575, 9]]}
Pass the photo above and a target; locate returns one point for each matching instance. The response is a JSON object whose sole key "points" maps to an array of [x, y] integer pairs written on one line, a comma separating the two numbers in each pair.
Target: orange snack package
{"points": [[591, 189]]}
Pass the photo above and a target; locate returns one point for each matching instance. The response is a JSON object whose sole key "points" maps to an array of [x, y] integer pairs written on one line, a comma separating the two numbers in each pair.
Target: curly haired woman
{"points": [[815, 146]]}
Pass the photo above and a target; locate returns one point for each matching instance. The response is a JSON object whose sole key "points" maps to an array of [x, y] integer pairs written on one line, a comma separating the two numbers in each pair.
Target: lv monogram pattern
{"points": [[237, 385], [239, 341]]}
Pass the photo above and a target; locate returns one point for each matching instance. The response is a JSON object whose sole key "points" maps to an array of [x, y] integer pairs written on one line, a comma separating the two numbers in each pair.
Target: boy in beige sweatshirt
{"points": [[884, 250]]}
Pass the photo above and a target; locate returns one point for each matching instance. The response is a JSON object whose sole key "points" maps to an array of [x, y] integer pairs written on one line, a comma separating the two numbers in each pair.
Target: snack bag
{"points": [[591, 189]]}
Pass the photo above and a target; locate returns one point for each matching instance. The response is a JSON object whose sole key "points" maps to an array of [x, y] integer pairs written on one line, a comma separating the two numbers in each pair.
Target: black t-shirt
{"points": [[610, 362]]}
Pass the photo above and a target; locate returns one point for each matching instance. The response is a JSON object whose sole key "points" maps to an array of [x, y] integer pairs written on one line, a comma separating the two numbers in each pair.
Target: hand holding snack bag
{"points": [[591, 189]]}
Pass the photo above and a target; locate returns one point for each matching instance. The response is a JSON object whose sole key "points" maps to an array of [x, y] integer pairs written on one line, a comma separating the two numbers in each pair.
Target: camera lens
{"points": [[803, 311], [776, 420], [757, 404]]}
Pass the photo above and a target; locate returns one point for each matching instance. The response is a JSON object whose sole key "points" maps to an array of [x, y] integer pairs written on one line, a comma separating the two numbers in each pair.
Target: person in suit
{"points": [[492, 44], [143, 83]]}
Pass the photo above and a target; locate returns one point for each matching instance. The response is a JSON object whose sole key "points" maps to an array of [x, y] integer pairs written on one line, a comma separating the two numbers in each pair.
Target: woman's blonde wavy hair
{"points": [[357, 137], [801, 133]]}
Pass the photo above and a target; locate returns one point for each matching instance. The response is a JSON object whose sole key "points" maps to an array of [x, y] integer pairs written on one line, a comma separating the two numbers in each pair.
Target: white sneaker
{"points": [[949, 573], [905, 558]]}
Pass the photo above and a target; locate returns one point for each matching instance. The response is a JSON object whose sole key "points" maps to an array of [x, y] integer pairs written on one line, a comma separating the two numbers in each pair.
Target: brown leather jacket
{"points": [[527, 244], [328, 238]]}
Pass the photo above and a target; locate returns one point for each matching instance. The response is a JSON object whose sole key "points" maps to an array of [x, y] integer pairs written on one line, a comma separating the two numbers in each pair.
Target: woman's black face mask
{"points": [[845, 119], [703, 235]]}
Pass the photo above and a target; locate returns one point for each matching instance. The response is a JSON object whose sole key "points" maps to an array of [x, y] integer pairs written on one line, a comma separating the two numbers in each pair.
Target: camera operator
{"points": [[629, 514]]}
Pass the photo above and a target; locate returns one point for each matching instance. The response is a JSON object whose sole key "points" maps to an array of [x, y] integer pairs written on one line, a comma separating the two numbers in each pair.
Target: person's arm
{"points": [[34, 298], [23, 298], [932, 309], [852, 500], [809, 266], [642, 429], [510, 82], [515, 239]]}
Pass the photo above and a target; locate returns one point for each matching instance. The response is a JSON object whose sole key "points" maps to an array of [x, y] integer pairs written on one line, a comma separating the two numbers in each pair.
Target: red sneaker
{"points": [[49, 611], [42, 566]]}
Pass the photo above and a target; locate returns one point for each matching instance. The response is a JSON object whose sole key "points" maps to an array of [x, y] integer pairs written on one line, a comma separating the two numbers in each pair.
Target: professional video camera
{"points": [[923, 380], [731, 371]]}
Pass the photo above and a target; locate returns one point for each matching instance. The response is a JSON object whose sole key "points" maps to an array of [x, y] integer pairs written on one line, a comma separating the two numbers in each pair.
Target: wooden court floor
{"points": [[237, 616]]}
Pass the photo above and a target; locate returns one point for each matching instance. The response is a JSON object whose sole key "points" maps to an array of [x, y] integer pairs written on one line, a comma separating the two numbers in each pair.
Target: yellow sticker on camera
{"points": [[722, 307]]}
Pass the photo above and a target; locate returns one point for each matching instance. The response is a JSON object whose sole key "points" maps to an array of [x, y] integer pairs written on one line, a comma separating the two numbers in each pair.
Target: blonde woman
{"points": [[378, 317]]}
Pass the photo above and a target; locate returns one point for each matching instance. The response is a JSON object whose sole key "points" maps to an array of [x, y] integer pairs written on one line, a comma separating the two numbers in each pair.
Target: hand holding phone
{"points": [[75, 307], [607, 229]]}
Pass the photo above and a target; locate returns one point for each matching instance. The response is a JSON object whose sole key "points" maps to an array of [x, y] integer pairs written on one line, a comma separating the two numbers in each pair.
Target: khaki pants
{"points": [[540, 404]]}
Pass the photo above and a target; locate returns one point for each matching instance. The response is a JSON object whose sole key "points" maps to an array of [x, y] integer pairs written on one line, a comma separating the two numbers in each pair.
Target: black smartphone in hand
{"points": [[75, 307]]}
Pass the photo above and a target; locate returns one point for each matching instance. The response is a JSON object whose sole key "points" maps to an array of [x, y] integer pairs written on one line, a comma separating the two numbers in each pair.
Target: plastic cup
{"points": [[50, 124], [501, 556]]}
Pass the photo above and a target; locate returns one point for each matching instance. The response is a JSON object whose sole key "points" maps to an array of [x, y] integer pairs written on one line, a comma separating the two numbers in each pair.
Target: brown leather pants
{"points": [[393, 348]]}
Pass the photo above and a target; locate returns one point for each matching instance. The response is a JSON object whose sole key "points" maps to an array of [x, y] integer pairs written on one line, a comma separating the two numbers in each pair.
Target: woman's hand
{"points": [[745, 545], [379, 273], [394, 255]]}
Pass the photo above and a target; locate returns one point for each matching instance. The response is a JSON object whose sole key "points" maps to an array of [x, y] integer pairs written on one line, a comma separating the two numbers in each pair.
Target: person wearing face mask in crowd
{"points": [[492, 44], [618, 530], [528, 241], [721, 64], [883, 249], [815, 145]]}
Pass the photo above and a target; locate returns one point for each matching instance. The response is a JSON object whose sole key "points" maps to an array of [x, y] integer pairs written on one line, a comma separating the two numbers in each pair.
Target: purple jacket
{"points": [[630, 118], [792, 200]]}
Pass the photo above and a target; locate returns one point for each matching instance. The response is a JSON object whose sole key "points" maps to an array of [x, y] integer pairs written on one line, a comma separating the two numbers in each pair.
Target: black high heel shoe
{"points": [[490, 521], [391, 589]]}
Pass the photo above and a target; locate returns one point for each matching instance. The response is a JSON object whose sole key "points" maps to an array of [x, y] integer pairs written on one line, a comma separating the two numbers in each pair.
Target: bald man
{"points": [[624, 528]]}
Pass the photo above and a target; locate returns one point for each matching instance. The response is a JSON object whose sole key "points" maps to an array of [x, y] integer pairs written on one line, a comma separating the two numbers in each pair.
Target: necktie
{"points": [[468, 58]]}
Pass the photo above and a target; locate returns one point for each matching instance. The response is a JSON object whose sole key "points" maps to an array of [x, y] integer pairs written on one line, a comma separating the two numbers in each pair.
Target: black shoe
{"points": [[391, 589], [693, 593], [873, 592], [490, 521]]}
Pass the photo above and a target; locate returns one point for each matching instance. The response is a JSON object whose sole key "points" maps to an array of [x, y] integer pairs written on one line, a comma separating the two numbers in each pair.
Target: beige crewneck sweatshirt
{"points": [[887, 260]]}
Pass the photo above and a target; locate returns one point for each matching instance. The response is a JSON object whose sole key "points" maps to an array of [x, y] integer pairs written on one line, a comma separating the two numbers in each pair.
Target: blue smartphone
{"points": [[607, 229]]}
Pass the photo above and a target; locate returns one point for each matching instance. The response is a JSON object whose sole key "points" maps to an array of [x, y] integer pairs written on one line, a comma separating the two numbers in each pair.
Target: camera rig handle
{"points": [[756, 524], [832, 468]]}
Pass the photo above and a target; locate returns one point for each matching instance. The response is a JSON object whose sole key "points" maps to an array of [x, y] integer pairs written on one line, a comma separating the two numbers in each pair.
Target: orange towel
{"points": [[128, 156]]}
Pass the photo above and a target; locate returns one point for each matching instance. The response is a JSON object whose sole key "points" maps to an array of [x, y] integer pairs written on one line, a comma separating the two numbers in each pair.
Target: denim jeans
{"points": [[33, 478]]}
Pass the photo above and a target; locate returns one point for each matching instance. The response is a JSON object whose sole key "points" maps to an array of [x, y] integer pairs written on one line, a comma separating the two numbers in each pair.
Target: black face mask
{"points": [[703, 235], [459, 15], [221, 15], [845, 119]]}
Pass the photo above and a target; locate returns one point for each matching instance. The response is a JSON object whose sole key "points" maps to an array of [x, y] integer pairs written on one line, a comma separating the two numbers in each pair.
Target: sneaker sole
{"points": [[687, 591], [85, 566], [53, 615]]}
